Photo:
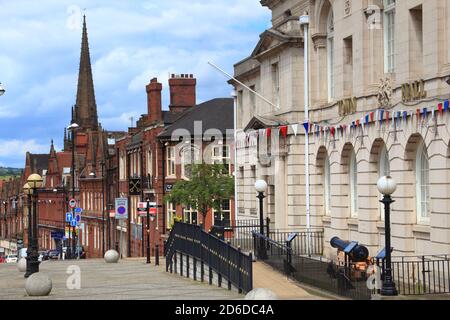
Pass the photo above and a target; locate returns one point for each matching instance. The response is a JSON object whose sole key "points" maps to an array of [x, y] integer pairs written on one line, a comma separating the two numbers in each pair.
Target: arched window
{"points": [[353, 177], [384, 169], [327, 186], [422, 185], [330, 54]]}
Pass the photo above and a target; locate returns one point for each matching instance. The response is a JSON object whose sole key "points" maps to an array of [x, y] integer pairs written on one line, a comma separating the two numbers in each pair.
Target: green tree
{"points": [[208, 187]]}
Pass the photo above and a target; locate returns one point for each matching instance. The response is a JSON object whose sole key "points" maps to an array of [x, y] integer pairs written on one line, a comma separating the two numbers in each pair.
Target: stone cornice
{"points": [[270, 3]]}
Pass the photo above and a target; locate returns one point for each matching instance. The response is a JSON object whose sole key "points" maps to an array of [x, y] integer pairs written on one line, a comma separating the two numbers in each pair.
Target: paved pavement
{"points": [[130, 279], [265, 277]]}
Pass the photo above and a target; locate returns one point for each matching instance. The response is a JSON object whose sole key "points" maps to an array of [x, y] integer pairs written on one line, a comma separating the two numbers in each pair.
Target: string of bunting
{"points": [[380, 117]]}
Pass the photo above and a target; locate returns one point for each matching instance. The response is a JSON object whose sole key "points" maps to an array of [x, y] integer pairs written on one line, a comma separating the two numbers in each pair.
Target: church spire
{"points": [[86, 108]]}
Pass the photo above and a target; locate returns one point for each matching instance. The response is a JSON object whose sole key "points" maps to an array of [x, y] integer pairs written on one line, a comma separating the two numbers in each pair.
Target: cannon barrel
{"points": [[359, 253]]}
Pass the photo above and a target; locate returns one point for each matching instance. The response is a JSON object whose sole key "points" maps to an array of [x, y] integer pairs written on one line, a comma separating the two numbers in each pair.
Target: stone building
{"points": [[379, 89]]}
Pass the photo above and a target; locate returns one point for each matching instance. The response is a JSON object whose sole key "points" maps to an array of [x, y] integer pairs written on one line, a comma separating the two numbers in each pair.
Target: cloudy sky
{"points": [[130, 43]]}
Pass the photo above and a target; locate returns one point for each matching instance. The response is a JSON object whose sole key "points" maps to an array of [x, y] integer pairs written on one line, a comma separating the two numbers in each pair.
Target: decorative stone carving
{"points": [[347, 7], [384, 93], [319, 40]]}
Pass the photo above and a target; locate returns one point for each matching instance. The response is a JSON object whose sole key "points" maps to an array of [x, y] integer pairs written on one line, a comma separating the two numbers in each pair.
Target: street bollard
{"points": [[157, 255]]}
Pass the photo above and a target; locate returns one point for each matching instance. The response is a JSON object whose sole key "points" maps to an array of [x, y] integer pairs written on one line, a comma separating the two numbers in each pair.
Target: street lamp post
{"points": [[27, 191], [5, 219], [102, 163], [72, 129], [261, 187], [386, 186], [148, 230], [34, 182], [17, 216]]}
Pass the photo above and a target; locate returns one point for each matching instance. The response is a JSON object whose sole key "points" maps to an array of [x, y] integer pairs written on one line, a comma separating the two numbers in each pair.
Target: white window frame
{"points": [[149, 162], [171, 162], [327, 186], [194, 158], [228, 211], [353, 179], [122, 167], [389, 35], [330, 56], [422, 172], [384, 169], [221, 157], [171, 213], [188, 211]]}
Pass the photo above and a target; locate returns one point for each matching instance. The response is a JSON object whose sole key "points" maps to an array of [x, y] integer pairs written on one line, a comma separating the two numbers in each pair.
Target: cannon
{"points": [[352, 260], [356, 252]]}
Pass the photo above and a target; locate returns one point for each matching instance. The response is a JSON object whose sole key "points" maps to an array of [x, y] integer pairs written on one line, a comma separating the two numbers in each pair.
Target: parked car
{"points": [[11, 258], [43, 255], [53, 254]]}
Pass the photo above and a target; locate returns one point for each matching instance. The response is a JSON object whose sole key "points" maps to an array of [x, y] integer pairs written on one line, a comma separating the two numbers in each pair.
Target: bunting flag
{"points": [[295, 129], [306, 126], [380, 117], [283, 131], [332, 131]]}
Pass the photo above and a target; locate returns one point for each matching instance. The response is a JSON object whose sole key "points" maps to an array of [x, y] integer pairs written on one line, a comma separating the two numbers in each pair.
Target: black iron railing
{"points": [[299, 244], [240, 234], [420, 275], [229, 263], [315, 270]]}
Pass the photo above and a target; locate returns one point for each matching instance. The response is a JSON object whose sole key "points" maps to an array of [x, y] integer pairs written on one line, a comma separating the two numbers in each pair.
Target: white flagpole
{"points": [[304, 21]]}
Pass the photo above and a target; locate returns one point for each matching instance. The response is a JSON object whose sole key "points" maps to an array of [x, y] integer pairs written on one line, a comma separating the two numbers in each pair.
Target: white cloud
{"points": [[130, 41], [16, 147]]}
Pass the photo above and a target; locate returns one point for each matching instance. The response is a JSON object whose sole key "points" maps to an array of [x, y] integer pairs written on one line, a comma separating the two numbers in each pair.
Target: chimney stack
{"points": [[154, 107], [182, 92]]}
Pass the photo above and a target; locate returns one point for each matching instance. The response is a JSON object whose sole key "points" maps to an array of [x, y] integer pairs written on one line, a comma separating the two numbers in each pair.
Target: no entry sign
{"points": [[121, 208]]}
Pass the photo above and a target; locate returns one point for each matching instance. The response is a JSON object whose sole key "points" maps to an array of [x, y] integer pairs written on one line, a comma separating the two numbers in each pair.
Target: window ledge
{"points": [[326, 219], [380, 225], [353, 222], [421, 228]]}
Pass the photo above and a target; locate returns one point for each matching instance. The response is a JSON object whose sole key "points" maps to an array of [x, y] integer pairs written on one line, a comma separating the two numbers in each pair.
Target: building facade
{"points": [[379, 89]]}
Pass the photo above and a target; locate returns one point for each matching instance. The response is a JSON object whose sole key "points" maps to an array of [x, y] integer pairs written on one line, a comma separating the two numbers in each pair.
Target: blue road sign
{"points": [[68, 216], [73, 223], [78, 218], [78, 210]]}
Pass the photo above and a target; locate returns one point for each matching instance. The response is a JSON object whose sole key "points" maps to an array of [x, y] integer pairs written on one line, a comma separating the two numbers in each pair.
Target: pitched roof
{"points": [[39, 162], [214, 114]]}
